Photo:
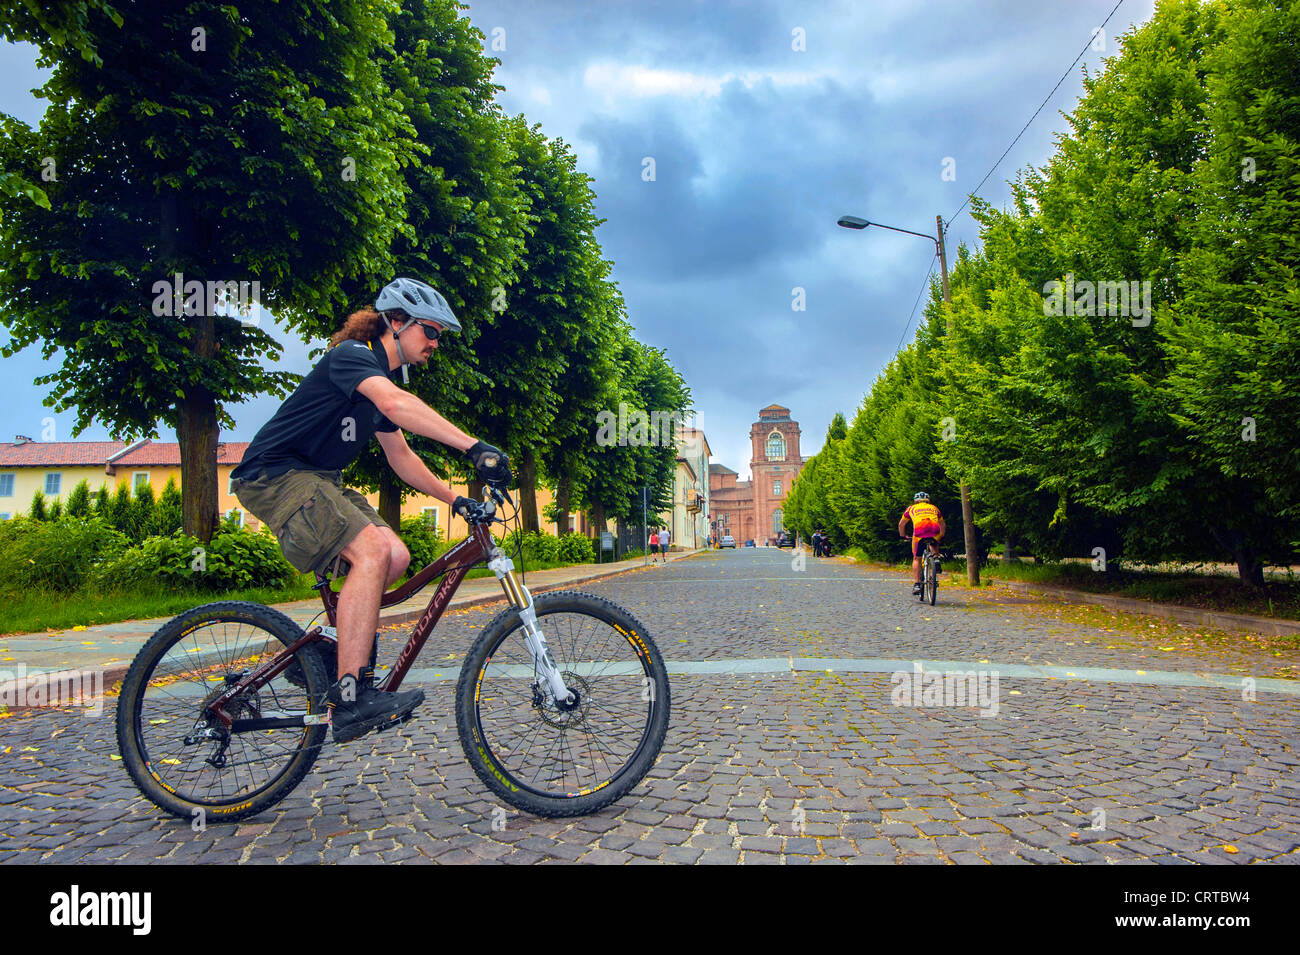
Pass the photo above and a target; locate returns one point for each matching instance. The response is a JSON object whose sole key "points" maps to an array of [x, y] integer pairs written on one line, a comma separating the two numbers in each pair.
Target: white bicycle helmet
{"points": [[419, 300], [920, 496]]}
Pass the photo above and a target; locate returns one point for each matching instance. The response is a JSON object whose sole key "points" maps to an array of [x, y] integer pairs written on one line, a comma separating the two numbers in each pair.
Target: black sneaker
{"points": [[916, 590], [356, 708], [938, 568]]}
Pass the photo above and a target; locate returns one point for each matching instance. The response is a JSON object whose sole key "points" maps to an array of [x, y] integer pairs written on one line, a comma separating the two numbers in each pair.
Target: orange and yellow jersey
{"points": [[925, 518]]}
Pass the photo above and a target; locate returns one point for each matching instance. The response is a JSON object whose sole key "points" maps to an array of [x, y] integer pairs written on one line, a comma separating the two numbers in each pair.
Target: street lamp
{"points": [[968, 520]]}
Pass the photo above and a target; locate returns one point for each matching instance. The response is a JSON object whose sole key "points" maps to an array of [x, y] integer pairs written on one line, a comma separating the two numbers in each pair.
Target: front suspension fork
{"points": [[549, 680]]}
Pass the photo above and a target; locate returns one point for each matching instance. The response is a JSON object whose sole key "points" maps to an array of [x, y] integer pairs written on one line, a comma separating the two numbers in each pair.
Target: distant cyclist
{"points": [[927, 528]]}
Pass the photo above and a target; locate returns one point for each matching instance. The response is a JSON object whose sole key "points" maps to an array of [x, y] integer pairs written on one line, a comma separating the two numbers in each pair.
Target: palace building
{"points": [[752, 510]]}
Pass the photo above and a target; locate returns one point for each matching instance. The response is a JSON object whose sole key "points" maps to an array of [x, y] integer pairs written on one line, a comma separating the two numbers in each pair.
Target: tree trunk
{"points": [[197, 433], [527, 475], [196, 419], [1249, 569], [390, 500], [597, 520], [563, 496]]}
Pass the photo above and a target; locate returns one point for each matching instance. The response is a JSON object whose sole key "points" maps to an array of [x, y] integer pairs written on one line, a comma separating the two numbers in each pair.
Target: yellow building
{"points": [[56, 467]]}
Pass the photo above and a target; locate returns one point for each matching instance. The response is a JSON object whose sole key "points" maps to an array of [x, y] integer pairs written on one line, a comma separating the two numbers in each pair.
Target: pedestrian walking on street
{"points": [[665, 539], [654, 545]]}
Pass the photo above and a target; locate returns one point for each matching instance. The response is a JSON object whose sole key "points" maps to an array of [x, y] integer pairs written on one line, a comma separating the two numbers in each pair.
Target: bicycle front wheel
{"points": [[564, 762], [934, 584], [189, 765]]}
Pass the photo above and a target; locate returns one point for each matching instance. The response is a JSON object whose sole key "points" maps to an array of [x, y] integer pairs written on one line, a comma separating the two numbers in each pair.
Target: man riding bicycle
{"points": [[927, 528], [290, 478]]}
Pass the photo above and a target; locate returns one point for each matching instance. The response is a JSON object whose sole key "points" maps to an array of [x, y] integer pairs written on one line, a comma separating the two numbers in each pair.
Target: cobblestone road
{"points": [[787, 764]]}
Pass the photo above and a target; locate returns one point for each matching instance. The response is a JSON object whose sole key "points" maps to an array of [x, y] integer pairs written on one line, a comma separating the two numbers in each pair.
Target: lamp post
{"points": [[967, 518]]}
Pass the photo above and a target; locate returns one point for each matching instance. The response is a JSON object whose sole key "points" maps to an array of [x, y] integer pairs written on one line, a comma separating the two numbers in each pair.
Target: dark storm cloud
{"points": [[758, 148]]}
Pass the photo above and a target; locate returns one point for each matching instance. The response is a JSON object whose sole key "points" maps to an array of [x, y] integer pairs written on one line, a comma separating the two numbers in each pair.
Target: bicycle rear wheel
{"points": [[554, 762], [932, 581], [191, 768]]}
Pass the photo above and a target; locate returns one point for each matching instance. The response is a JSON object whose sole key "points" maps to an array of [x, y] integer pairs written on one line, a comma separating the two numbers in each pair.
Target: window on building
{"points": [[53, 484], [430, 515], [230, 485], [138, 478], [6, 485], [4, 515], [236, 512], [775, 447], [776, 487], [777, 525]]}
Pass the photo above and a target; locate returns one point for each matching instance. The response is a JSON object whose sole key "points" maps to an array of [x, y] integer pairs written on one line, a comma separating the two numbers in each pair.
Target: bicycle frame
{"points": [[456, 563]]}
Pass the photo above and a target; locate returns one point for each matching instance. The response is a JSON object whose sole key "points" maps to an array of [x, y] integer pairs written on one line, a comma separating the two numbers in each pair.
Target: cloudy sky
{"points": [[762, 123]]}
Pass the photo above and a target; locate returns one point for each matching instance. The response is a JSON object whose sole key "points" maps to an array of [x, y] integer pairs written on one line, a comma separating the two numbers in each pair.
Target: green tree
{"points": [[168, 510], [464, 226], [1234, 337], [144, 516], [79, 499], [261, 146], [38, 509]]}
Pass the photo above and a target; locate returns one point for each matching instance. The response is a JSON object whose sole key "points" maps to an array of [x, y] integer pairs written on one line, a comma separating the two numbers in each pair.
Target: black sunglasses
{"points": [[431, 332]]}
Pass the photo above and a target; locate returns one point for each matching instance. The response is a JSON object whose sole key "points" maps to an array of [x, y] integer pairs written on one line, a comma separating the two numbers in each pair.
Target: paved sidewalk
{"points": [[112, 646]]}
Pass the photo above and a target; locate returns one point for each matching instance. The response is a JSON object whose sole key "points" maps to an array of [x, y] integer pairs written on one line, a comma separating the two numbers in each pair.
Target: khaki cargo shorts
{"points": [[311, 514]]}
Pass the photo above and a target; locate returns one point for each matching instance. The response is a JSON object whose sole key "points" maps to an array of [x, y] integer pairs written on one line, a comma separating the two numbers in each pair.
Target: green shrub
{"points": [[79, 500], [143, 511], [37, 513], [167, 514], [55, 555], [232, 560], [576, 549], [421, 541], [542, 548]]}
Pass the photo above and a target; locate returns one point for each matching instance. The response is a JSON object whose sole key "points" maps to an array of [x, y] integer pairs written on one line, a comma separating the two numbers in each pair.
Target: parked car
{"points": [[749, 543], [784, 540], [728, 541]]}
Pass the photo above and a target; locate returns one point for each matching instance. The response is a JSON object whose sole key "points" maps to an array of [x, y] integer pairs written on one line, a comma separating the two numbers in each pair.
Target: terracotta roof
{"points": [[107, 454], [774, 408], [720, 469], [36, 454], [168, 453]]}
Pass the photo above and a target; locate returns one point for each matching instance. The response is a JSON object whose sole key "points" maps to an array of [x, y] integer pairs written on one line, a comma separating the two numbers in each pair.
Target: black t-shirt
{"points": [[326, 423]]}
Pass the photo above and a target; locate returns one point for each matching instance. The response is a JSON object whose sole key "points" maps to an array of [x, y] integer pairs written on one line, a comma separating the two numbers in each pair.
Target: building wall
{"points": [[27, 480]]}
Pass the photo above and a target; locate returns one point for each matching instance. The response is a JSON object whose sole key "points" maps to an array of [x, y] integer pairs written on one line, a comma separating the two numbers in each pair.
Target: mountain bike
{"points": [[929, 570], [561, 703]]}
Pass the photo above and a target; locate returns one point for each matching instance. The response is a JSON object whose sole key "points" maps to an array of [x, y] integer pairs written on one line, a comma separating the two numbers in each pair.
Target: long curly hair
{"points": [[367, 325]]}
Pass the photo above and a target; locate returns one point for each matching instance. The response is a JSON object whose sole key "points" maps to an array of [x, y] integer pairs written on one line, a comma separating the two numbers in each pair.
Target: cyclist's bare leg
{"points": [[370, 553]]}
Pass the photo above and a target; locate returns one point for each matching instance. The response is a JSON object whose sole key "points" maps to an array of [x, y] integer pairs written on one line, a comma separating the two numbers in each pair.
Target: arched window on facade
{"points": [[775, 447]]}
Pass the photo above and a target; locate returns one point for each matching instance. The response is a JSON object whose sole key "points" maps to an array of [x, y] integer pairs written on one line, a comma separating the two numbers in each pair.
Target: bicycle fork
{"points": [[549, 680]]}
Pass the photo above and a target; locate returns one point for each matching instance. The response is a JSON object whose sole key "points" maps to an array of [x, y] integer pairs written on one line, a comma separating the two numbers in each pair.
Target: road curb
{"points": [[1193, 615]]}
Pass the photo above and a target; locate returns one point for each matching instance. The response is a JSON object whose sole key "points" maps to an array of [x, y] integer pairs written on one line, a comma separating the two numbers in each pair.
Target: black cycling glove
{"points": [[492, 464], [464, 507]]}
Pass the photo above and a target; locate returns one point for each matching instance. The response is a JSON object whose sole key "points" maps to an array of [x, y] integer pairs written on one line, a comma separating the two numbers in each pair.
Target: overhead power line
{"points": [[924, 285], [1045, 101]]}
